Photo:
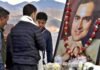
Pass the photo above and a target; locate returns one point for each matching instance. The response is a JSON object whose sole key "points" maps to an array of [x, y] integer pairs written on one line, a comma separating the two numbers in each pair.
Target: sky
{"points": [[13, 2]]}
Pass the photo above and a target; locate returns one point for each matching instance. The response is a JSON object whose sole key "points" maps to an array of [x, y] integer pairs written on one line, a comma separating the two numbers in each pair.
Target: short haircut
{"points": [[96, 11], [29, 9], [41, 16], [3, 12]]}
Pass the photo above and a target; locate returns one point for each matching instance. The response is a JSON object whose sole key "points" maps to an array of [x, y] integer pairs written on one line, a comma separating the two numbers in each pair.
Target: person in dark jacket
{"points": [[41, 19], [24, 42], [4, 16]]}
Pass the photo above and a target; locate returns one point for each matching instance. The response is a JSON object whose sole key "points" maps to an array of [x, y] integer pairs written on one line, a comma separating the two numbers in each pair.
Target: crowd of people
{"points": [[25, 40]]}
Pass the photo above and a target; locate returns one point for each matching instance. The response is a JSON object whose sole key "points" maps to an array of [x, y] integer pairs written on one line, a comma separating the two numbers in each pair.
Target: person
{"points": [[82, 28], [4, 16], [83, 24], [82, 21], [24, 42], [41, 19]]}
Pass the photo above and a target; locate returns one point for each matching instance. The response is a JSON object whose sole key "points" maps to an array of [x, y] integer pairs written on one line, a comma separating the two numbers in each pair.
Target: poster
{"points": [[79, 36]]}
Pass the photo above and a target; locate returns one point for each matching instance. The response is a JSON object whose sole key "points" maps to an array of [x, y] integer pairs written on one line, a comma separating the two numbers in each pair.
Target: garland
{"points": [[66, 21]]}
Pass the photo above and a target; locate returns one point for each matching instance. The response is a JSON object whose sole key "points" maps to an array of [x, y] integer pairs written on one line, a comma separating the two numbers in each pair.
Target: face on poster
{"points": [[83, 30]]}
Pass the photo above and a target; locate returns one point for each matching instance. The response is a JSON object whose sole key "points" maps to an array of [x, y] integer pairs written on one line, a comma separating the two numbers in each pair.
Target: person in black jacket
{"points": [[41, 19], [24, 42]]}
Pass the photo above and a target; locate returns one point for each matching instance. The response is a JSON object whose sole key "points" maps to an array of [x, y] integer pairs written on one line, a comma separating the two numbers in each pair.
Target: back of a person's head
{"points": [[41, 16], [3, 12], [29, 9]]}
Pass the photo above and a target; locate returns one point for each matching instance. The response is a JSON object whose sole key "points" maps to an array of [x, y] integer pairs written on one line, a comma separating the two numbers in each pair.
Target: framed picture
{"points": [[79, 35]]}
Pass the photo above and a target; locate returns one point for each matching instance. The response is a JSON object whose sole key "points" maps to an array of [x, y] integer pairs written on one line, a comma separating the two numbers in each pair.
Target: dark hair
{"points": [[42, 15], [3, 12], [95, 15], [96, 11], [29, 9]]}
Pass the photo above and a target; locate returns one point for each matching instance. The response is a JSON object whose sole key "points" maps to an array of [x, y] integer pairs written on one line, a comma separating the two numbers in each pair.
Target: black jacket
{"points": [[23, 44], [49, 47]]}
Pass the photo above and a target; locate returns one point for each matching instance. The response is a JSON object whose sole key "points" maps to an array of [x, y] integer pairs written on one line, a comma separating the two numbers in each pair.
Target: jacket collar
{"points": [[27, 19]]}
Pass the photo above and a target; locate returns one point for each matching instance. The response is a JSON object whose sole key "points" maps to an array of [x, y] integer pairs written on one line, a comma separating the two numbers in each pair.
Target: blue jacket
{"points": [[49, 47], [23, 44]]}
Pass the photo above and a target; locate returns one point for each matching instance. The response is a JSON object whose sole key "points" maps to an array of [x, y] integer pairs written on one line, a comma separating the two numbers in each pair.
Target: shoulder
{"points": [[26, 24], [94, 45], [47, 31], [95, 42]]}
